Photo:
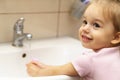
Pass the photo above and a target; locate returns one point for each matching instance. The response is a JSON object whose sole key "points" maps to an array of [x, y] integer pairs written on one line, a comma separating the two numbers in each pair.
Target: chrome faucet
{"points": [[18, 35]]}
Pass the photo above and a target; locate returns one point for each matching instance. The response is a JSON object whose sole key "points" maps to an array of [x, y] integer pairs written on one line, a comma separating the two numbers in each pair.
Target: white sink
{"points": [[55, 51]]}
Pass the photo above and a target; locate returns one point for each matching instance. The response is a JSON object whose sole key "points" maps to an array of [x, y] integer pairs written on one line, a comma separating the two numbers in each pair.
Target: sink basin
{"points": [[54, 51]]}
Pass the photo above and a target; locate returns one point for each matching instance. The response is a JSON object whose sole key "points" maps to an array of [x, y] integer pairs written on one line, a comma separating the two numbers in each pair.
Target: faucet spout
{"points": [[19, 35]]}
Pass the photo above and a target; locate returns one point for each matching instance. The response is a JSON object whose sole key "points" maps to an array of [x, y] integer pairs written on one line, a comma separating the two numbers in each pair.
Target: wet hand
{"points": [[32, 69], [35, 68]]}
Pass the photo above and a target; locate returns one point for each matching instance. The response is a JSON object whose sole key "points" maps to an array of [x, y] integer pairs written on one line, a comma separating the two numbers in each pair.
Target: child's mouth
{"points": [[86, 38]]}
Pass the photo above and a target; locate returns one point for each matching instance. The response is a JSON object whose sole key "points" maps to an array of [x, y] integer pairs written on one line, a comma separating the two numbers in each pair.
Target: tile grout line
{"points": [[33, 12], [58, 19]]}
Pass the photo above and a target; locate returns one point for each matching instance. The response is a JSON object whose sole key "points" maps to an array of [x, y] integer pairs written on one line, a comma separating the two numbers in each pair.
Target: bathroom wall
{"points": [[43, 18]]}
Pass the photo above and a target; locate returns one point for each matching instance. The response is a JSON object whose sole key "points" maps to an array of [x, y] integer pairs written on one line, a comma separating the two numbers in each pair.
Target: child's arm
{"points": [[39, 69]]}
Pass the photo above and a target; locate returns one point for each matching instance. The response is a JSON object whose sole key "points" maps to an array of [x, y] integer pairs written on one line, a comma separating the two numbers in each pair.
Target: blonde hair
{"points": [[111, 10]]}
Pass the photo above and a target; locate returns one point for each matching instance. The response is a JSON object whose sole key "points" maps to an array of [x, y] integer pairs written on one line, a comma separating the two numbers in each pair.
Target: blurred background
{"points": [[43, 18]]}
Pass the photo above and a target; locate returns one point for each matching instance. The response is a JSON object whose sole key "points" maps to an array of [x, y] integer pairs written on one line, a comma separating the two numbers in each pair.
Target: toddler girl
{"points": [[100, 31]]}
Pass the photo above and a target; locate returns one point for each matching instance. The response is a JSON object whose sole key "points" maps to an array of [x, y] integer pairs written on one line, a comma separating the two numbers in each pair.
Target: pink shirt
{"points": [[102, 65]]}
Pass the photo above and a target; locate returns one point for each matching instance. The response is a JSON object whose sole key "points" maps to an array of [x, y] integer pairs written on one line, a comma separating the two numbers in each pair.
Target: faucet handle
{"points": [[19, 24], [20, 20]]}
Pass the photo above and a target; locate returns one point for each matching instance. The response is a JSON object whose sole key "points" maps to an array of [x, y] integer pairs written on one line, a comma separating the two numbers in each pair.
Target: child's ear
{"points": [[116, 39]]}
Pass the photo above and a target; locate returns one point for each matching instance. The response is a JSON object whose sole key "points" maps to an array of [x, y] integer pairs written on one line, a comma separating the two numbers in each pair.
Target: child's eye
{"points": [[84, 22], [96, 25]]}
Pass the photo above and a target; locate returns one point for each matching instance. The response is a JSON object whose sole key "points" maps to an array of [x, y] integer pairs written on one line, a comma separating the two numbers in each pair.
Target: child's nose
{"points": [[86, 28]]}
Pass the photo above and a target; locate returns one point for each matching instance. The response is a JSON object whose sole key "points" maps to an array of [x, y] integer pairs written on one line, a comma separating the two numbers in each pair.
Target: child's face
{"points": [[96, 32]]}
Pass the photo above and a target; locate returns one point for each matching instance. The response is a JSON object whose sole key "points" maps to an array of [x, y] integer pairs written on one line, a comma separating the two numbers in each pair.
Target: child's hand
{"points": [[34, 68]]}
